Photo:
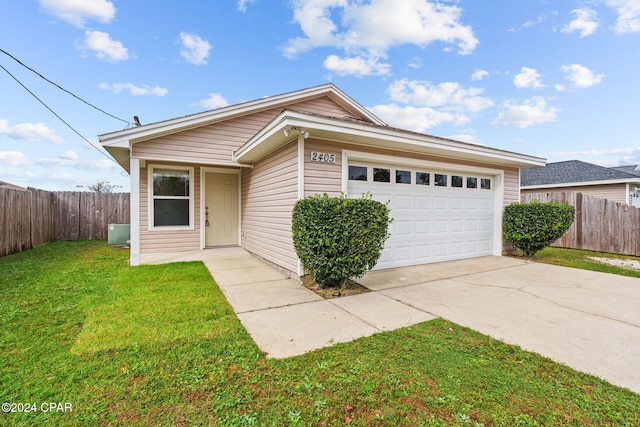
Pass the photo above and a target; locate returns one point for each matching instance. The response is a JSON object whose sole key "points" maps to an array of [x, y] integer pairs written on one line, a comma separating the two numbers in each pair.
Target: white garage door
{"points": [[439, 215]]}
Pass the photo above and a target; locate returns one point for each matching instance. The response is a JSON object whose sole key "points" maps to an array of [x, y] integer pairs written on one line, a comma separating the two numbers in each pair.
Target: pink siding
{"points": [[511, 185], [269, 191], [162, 241], [213, 144], [320, 178]]}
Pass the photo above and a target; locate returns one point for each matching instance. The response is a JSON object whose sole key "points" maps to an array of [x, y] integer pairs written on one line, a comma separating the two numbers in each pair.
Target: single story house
{"points": [[619, 184], [231, 176]]}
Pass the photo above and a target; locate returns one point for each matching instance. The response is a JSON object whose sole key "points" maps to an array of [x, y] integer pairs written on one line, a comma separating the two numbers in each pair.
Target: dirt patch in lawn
{"points": [[350, 288], [627, 264]]}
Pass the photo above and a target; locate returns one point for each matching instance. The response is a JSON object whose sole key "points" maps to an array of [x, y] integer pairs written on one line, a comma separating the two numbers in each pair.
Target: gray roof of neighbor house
{"points": [[632, 169], [571, 172]]}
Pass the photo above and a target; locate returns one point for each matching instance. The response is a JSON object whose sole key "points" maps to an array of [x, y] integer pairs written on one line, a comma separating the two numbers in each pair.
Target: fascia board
{"points": [[152, 130], [378, 136]]}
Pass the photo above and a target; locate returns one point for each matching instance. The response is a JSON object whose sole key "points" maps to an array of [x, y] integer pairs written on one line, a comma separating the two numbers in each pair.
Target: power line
{"points": [[61, 88], [56, 114]]}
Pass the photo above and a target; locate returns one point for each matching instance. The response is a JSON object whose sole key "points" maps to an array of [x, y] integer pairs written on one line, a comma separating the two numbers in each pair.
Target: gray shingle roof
{"points": [[571, 171], [632, 169]]}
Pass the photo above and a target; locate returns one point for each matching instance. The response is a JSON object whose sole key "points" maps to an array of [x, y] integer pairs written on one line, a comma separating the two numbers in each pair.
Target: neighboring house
{"points": [[619, 184], [231, 176], [10, 186]]}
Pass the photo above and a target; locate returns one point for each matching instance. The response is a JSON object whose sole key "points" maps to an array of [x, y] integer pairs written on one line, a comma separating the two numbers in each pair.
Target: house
{"points": [[619, 184], [231, 176], [4, 184]]}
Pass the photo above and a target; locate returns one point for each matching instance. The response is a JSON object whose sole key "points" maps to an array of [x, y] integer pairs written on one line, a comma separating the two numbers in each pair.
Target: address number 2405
{"points": [[323, 157]]}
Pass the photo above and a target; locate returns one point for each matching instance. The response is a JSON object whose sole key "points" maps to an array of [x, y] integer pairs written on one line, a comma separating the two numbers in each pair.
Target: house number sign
{"points": [[323, 157]]}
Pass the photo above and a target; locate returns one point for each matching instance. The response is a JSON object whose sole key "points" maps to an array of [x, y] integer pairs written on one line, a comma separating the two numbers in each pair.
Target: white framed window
{"points": [[170, 197]]}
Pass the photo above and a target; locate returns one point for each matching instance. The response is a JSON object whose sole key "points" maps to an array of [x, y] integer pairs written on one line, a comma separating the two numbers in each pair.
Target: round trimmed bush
{"points": [[337, 238]]}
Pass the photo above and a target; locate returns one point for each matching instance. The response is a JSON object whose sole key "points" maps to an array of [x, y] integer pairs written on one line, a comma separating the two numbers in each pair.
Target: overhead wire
{"points": [[63, 89], [57, 115]]}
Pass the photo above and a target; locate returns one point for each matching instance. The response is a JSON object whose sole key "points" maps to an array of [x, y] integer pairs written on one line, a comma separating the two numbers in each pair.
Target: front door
{"points": [[221, 209]]}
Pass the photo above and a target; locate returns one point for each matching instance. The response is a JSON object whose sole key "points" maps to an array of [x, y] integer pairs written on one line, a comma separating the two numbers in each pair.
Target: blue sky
{"points": [[552, 79]]}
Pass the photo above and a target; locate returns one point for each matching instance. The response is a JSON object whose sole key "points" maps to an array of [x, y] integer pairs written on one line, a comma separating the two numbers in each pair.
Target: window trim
{"points": [[151, 225]]}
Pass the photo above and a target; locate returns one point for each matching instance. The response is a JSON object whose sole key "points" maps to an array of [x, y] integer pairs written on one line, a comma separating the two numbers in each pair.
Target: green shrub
{"points": [[531, 227], [339, 238]]}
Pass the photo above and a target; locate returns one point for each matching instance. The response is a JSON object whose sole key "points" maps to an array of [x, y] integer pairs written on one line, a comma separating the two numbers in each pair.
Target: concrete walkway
{"points": [[587, 320]]}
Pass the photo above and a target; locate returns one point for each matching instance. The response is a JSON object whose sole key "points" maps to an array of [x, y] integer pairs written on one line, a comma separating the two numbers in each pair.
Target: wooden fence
{"points": [[600, 225], [31, 218]]}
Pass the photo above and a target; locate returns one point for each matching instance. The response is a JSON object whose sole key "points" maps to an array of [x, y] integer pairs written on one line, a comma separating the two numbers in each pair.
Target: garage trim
{"points": [[497, 174]]}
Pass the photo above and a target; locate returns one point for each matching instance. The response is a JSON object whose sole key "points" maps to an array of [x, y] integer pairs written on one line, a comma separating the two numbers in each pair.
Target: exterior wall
{"points": [[613, 192], [511, 185], [320, 178], [161, 241], [213, 144], [269, 191]]}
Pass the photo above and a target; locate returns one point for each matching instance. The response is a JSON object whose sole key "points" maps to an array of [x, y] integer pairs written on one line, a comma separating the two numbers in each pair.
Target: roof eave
{"points": [[272, 137], [581, 184]]}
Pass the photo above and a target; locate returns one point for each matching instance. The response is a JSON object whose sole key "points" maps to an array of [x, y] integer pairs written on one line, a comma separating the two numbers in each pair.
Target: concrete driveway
{"points": [[587, 320]]}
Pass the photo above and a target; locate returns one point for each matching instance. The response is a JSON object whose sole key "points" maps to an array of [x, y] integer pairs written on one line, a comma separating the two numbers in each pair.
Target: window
{"points": [[171, 197], [357, 173], [381, 175], [456, 181], [472, 182], [403, 177], [440, 180], [422, 178], [485, 183]]}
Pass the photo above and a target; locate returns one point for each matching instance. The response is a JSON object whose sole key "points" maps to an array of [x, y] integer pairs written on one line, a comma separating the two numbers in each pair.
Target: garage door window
{"points": [[440, 180], [422, 178], [357, 173], [381, 175], [472, 182], [403, 177], [485, 183], [456, 181]]}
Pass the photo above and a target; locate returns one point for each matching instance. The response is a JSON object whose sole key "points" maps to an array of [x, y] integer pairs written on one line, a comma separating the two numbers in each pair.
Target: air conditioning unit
{"points": [[119, 234]]}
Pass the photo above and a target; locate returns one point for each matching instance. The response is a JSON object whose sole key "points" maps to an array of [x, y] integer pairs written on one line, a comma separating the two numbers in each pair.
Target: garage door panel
{"points": [[432, 223]]}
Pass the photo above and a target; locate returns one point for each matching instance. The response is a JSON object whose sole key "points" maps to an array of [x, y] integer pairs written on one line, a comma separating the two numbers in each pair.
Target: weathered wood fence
{"points": [[600, 225], [31, 218]]}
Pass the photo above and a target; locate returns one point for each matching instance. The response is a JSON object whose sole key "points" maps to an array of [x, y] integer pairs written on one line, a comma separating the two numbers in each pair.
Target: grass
{"points": [[159, 345], [580, 259]]}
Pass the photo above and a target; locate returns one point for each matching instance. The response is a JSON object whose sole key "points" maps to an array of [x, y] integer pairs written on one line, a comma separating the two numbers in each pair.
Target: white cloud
{"points": [[135, 90], [356, 66], [416, 62], [194, 50], [585, 22], [530, 112], [215, 100], [69, 155], [465, 137], [528, 78], [77, 12], [30, 132], [447, 95], [13, 159], [77, 163], [103, 47], [242, 5], [415, 119], [367, 30], [628, 15], [479, 74], [581, 76]]}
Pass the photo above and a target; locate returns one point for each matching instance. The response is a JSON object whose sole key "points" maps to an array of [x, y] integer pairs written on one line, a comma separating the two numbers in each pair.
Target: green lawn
{"points": [[159, 345], [581, 259]]}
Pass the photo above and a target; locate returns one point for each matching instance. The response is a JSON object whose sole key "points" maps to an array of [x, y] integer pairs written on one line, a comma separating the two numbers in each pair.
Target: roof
{"points": [[632, 169], [358, 132], [573, 172], [8, 185], [361, 126]]}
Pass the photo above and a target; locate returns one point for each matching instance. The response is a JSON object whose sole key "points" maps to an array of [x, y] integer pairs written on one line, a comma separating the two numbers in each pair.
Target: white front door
{"points": [[221, 209]]}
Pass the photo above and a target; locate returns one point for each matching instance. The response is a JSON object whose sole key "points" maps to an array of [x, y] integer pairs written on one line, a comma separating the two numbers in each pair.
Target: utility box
{"points": [[119, 234]]}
